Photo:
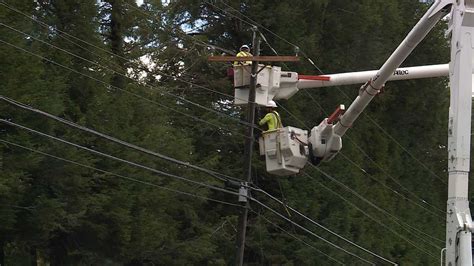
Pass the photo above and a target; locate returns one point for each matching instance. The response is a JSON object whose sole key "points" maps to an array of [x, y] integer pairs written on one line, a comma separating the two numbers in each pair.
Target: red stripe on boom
{"points": [[322, 78]]}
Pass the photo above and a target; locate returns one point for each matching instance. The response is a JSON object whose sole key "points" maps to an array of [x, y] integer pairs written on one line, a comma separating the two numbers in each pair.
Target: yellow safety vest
{"points": [[242, 54], [272, 120]]}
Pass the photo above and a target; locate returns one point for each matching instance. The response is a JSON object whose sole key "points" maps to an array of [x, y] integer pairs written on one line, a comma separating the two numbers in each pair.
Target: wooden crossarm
{"points": [[284, 58]]}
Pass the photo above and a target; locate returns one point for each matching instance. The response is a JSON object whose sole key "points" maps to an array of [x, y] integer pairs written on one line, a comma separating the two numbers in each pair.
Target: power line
{"points": [[311, 61], [47, 26], [118, 88], [96, 133], [388, 175], [297, 238], [119, 159], [266, 29], [196, 41], [405, 149], [118, 175], [373, 161], [132, 79], [324, 228], [383, 170], [381, 183], [399, 184], [396, 219], [275, 51], [215, 174], [309, 231], [382, 224]]}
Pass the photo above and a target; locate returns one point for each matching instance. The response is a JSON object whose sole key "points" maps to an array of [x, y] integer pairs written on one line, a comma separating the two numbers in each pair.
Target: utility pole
{"points": [[248, 150], [249, 141]]}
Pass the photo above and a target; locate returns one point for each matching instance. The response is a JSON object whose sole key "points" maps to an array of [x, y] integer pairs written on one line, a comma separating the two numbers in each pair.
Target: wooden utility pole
{"points": [[248, 150], [244, 191]]}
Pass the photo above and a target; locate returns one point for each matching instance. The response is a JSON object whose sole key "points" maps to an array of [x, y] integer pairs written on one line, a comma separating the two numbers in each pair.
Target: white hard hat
{"points": [[271, 104], [244, 47]]}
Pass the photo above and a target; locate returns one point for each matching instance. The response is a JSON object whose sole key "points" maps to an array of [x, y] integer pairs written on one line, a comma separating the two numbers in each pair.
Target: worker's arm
{"points": [[239, 54], [265, 119]]}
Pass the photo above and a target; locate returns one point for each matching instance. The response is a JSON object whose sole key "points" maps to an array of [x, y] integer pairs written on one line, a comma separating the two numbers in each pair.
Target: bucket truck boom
{"points": [[287, 150], [328, 134], [458, 220]]}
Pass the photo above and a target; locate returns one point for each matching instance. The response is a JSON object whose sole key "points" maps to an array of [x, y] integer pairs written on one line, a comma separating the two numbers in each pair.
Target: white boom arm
{"points": [[349, 78], [437, 11], [325, 139], [286, 150]]}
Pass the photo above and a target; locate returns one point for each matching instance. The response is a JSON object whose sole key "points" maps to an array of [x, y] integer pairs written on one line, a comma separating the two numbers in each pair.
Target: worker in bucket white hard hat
{"points": [[244, 51], [272, 118]]}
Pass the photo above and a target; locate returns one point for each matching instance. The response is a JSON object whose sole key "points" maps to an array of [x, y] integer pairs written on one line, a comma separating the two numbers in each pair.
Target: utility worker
{"points": [[272, 118], [244, 51]]}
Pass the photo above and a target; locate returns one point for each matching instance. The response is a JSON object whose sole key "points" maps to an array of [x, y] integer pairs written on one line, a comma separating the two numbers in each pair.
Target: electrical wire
{"points": [[119, 159], [269, 45], [120, 89], [215, 174], [382, 224], [309, 231], [312, 62], [405, 149], [395, 218], [321, 71], [220, 113], [47, 26], [378, 166], [255, 23], [323, 227], [295, 237], [196, 41], [416, 203], [119, 175], [400, 185], [393, 179], [425, 251]]}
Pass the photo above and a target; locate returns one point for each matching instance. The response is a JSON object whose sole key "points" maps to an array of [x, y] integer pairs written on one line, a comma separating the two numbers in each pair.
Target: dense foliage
{"points": [[139, 73]]}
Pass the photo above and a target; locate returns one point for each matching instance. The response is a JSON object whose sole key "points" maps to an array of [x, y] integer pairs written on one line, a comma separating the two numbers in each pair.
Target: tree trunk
{"points": [[2, 253], [116, 41], [33, 257]]}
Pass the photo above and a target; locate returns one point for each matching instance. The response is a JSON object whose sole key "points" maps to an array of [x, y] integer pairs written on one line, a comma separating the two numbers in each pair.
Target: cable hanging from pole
{"points": [[66, 122], [393, 179], [425, 251], [118, 175], [220, 113], [396, 219], [309, 231], [397, 193], [212, 173], [118, 88], [316, 67], [323, 227], [159, 172], [297, 238]]}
